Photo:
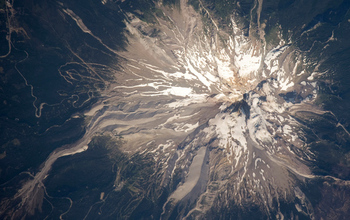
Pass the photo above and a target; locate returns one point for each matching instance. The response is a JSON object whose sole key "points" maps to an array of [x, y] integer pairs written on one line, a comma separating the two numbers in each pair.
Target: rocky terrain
{"points": [[197, 113]]}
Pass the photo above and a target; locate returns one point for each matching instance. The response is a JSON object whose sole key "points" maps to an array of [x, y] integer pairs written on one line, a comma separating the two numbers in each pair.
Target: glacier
{"points": [[213, 107]]}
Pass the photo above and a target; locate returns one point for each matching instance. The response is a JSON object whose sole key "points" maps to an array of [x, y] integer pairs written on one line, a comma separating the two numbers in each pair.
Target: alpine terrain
{"points": [[175, 109]]}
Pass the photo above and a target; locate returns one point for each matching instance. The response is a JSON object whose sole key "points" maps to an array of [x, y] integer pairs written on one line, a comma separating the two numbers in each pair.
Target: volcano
{"points": [[175, 110]]}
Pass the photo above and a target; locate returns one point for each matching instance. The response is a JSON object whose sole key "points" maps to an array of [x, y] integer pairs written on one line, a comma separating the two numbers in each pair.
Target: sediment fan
{"points": [[216, 110]]}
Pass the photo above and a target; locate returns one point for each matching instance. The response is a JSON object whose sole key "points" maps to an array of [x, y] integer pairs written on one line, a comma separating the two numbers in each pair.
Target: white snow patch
{"points": [[178, 91], [312, 77], [186, 75]]}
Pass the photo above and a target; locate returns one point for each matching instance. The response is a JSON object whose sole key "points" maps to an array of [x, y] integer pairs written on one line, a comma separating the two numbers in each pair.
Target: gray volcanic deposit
{"points": [[182, 109]]}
